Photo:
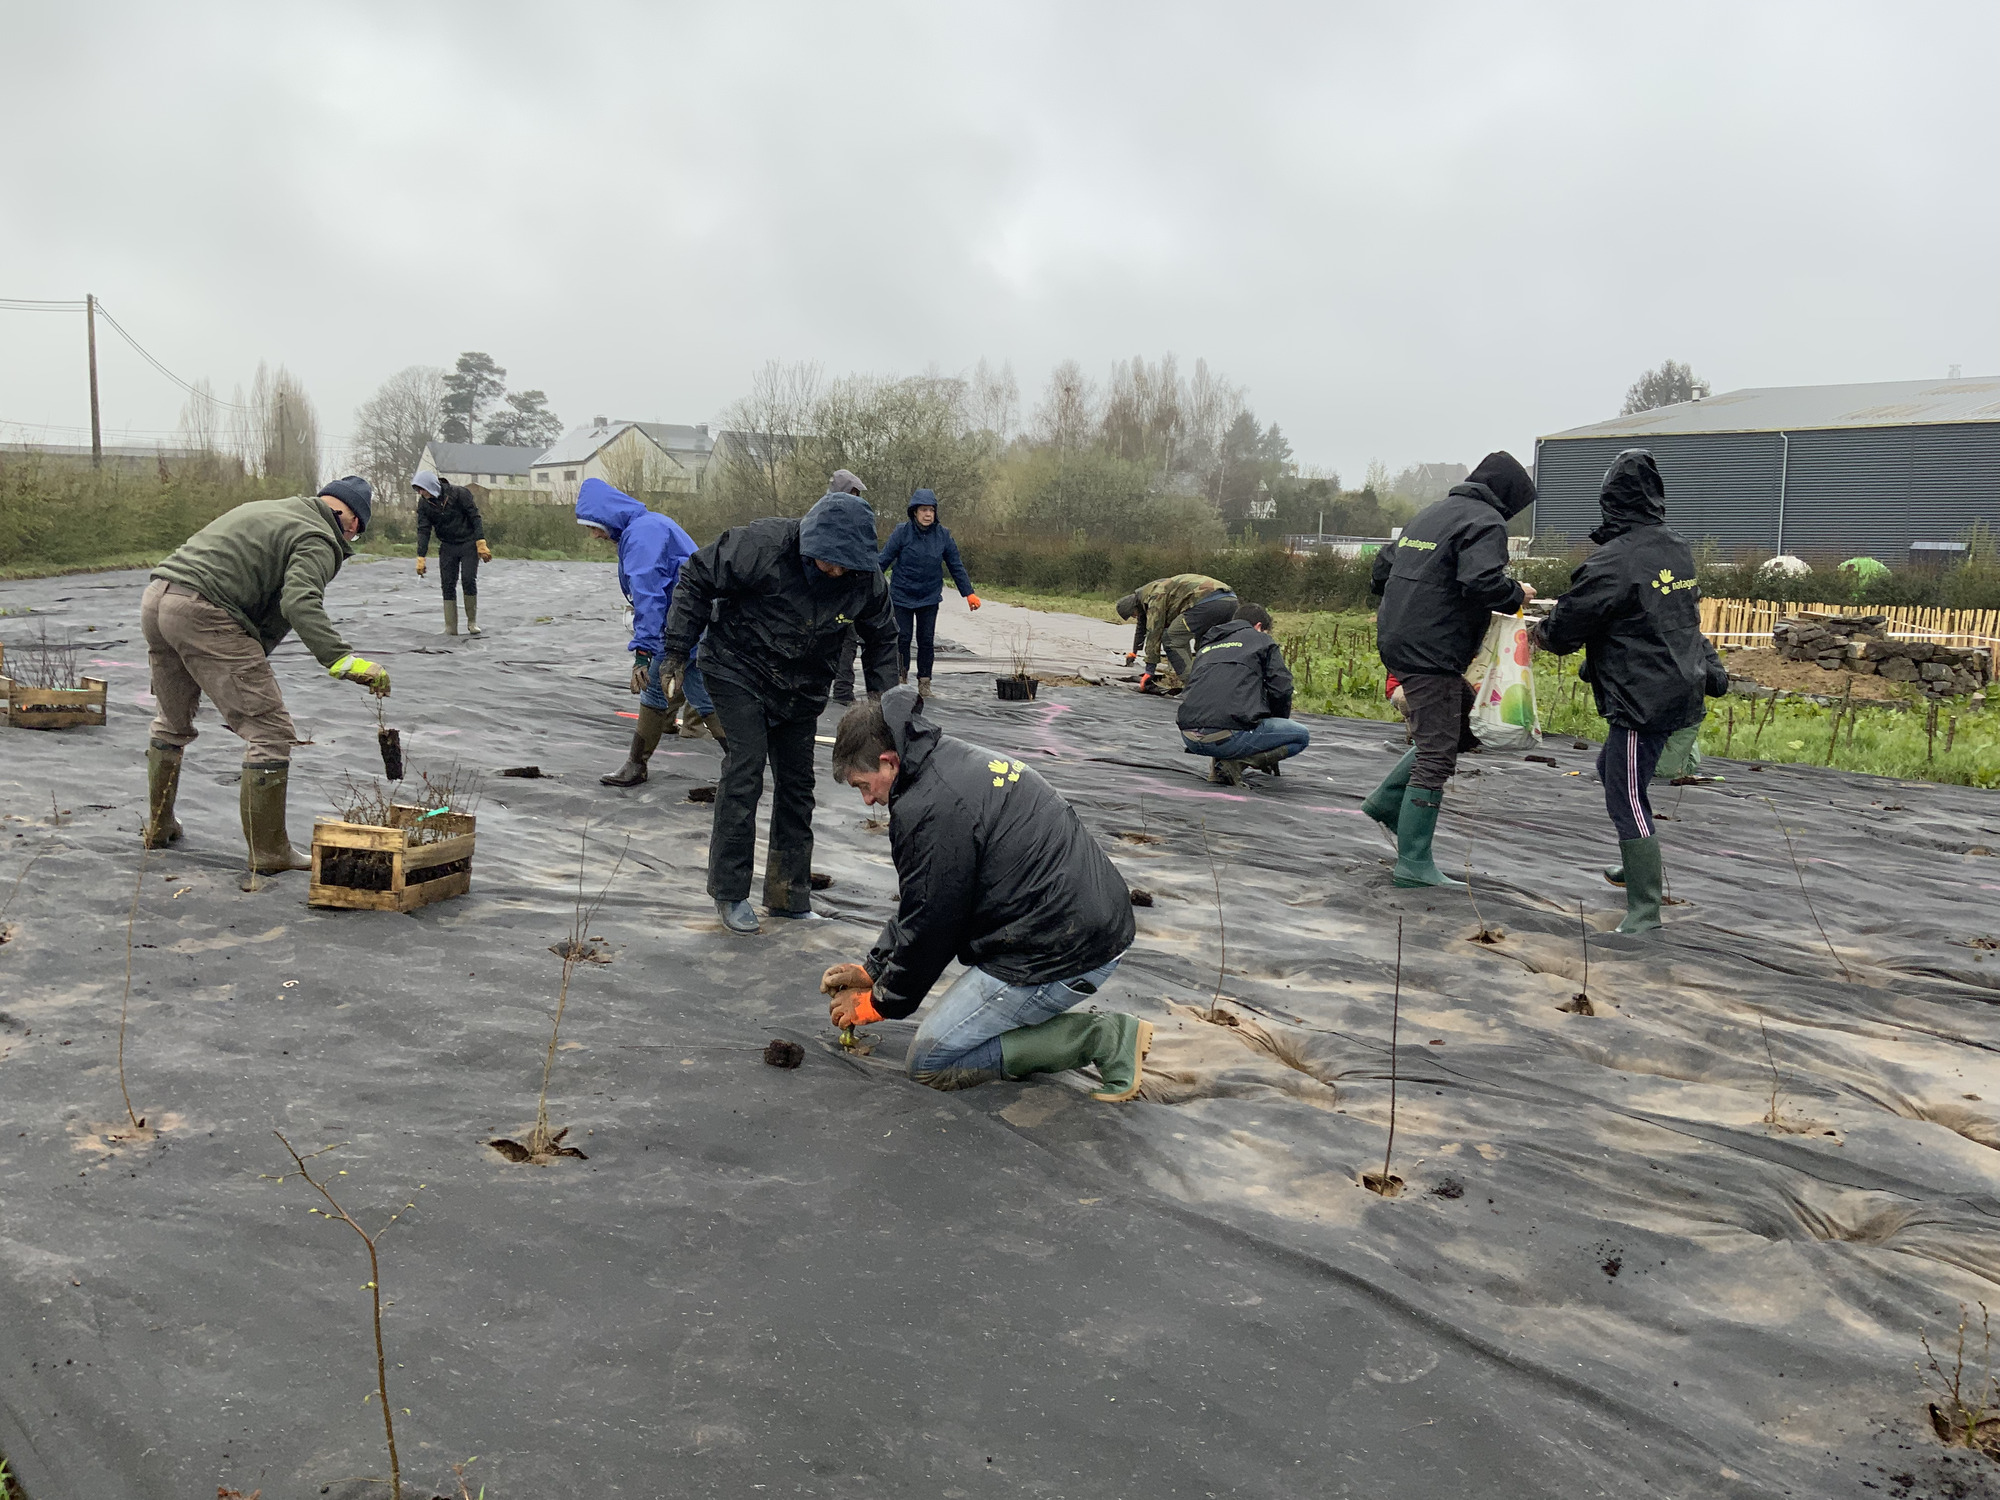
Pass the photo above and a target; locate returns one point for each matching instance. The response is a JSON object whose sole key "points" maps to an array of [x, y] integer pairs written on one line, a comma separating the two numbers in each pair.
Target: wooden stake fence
{"points": [[1748, 622]]}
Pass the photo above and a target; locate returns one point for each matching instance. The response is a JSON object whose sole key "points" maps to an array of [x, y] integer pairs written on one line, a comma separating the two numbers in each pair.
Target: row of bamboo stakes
{"points": [[1742, 622]]}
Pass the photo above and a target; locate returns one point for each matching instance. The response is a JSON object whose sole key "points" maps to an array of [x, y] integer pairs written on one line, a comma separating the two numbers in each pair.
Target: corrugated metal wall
{"points": [[1847, 490]]}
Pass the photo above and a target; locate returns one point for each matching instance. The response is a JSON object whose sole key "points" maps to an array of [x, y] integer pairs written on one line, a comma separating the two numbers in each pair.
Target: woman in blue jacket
{"points": [[919, 550]]}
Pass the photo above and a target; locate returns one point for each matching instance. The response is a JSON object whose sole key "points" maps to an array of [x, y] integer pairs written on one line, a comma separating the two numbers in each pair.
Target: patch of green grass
{"points": [[1091, 606]]}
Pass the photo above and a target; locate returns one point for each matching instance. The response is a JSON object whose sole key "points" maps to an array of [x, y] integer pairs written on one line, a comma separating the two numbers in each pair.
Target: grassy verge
{"points": [[1335, 671]]}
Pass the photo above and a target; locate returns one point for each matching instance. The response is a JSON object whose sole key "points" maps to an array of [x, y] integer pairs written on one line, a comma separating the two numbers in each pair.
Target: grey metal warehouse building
{"points": [[1813, 470]]}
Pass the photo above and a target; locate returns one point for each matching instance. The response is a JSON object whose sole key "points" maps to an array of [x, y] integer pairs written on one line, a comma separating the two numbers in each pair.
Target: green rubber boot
{"points": [[1643, 880], [1615, 875], [451, 617], [1414, 831], [472, 614], [645, 740], [1116, 1043], [262, 803], [163, 784], [1385, 803]]}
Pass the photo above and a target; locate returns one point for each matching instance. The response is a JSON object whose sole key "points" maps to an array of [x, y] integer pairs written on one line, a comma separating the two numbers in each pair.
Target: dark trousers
{"points": [[1625, 766], [843, 671], [924, 623], [458, 562], [753, 738], [1440, 713]]}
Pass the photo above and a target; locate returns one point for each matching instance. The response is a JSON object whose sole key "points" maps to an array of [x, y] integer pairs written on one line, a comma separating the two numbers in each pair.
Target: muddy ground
{"points": [[1621, 1265]]}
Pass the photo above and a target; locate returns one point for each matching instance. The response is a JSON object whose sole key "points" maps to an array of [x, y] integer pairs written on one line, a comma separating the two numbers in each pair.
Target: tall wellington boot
{"points": [[451, 617], [262, 803], [472, 614], [1414, 831], [1385, 803], [645, 740], [1643, 879], [163, 784], [1268, 761], [1116, 1043]]}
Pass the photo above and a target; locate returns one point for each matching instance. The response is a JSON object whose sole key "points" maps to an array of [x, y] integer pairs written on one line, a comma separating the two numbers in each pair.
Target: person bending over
{"points": [[1634, 608], [212, 615], [919, 551], [450, 510], [1238, 703], [1160, 609], [997, 871], [651, 551], [776, 598], [1440, 584]]}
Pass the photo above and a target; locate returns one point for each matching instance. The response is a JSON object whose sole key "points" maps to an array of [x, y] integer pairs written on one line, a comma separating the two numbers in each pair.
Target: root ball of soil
{"points": [[783, 1054], [1142, 898], [1449, 1187], [391, 743], [701, 794], [524, 773], [821, 882]]}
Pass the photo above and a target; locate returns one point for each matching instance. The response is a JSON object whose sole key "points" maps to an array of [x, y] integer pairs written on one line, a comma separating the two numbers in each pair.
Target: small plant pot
{"points": [[54, 708], [367, 867], [1015, 689]]}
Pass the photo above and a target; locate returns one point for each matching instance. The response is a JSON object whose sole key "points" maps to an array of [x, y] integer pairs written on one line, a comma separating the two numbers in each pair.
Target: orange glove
{"points": [[844, 977], [1131, 657], [853, 1008], [972, 601]]}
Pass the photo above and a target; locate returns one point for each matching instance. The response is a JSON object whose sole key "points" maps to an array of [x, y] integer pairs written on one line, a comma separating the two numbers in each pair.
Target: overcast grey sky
{"points": [[1414, 235]]}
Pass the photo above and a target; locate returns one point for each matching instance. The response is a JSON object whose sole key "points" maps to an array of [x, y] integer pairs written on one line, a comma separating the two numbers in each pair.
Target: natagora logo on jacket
{"points": [[1006, 771], [1666, 583]]}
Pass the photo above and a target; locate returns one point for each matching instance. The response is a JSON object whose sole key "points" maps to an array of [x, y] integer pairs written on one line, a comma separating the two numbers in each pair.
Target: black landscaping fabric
{"points": [[1610, 1274]]}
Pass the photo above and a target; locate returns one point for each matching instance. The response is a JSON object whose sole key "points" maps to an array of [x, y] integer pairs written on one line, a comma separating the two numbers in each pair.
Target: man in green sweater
{"points": [[212, 615]]}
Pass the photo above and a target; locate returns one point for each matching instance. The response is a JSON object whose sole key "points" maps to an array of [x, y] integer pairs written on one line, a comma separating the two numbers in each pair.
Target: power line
{"points": [[28, 304], [148, 358]]}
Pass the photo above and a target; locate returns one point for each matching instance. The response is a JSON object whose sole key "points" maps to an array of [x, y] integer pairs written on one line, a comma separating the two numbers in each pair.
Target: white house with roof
{"points": [[637, 457], [496, 466]]}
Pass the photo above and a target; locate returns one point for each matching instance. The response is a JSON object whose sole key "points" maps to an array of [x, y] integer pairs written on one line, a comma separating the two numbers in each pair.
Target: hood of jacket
{"points": [[1501, 482], [1205, 614], [923, 497], [915, 735], [598, 504], [839, 529], [1633, 495]]}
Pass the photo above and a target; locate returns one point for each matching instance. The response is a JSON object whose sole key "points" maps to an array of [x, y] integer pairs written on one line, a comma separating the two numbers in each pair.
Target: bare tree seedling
{"points": [[1385, 1182], [45, 663], [1967, 1411]]}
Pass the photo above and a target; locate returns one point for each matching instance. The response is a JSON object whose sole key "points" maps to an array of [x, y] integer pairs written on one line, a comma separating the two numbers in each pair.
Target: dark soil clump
{"points": [[821, 882], [524, 773], [783, 1054], [357, 869], [1450, 1187], [701, 794], [1142, 898], [391, 743]]}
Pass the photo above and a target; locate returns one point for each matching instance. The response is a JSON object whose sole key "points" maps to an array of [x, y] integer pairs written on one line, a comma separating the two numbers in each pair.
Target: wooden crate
{"points": [[416, 874], [54, 708]]}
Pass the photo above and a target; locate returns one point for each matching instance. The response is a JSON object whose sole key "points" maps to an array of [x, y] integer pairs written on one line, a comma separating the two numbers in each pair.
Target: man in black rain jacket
{"points": [[453, 513], [1238, 703], [1440, 585], [1635, 609], [776, 597], [998, 872]]}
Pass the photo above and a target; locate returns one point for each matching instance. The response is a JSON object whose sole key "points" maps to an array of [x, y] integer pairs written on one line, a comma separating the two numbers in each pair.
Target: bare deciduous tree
{"points": [[1067, 417], [993, 401], [758, 463], [392, 427], [283, 428]]}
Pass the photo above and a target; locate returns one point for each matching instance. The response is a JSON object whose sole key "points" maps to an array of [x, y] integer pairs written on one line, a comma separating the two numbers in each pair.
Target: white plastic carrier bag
{"points": [[1503, 714]]}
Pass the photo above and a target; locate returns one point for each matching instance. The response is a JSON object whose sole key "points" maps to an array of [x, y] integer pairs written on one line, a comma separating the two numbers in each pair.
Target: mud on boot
{"points": [[262, 804], [1227, 772], [645, 740], [1116, 1043], [163, 784]]}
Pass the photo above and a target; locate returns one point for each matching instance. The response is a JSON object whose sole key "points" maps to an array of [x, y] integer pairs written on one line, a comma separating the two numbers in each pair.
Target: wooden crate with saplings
{"points": [[54, 707], [420, 858]]}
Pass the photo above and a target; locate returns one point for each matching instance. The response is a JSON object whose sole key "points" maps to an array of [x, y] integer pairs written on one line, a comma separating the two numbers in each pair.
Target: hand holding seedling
{"points": [[844, 977], [852, 1008]]}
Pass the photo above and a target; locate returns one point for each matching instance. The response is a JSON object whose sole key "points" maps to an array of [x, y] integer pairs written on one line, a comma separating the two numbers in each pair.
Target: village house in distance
{"points": [[636, 457]]}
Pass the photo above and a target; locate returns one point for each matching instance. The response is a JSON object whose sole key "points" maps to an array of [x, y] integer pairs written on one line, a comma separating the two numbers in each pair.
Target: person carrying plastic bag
{"points": [[1503, 706], [1635, 610]]}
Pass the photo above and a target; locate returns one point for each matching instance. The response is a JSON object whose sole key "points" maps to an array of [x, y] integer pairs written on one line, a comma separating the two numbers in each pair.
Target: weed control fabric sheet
{"points": [[1684, 1246]]}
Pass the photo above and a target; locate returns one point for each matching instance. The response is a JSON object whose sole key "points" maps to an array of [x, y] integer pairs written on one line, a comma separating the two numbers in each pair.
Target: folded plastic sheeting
{"points": [[1684, 1245]]}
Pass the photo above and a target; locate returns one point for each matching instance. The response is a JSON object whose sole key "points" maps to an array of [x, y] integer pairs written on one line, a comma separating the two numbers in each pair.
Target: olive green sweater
{"points": [[268, 563]]}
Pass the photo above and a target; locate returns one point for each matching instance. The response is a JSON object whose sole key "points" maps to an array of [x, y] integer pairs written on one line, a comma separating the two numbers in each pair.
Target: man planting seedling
{"points": [[1158, 613], [212, 615], [1440, 584], [997, 871], [1635, 610]]}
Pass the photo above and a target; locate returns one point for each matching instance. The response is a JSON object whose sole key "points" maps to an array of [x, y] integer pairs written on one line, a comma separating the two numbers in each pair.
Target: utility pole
{"points": [[96, 430]]}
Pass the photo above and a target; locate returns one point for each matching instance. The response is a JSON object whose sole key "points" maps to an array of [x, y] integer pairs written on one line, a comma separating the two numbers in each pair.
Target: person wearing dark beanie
{"points": [[213, 613]]}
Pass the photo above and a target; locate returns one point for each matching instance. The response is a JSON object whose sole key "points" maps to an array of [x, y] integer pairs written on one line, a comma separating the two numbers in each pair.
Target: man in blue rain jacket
{"points": [[651, 549]]}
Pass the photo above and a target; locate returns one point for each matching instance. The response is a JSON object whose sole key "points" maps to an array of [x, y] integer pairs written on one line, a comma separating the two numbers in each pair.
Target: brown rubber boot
{"points": [[645, 740], [923, 687], [163, 784], [262, 803], [713, 724], [1227, 773]]}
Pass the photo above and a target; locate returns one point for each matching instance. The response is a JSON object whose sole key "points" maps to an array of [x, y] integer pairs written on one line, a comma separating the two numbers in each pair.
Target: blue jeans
{"points": [[692, 685], [958, 1044], [1286, 735]]}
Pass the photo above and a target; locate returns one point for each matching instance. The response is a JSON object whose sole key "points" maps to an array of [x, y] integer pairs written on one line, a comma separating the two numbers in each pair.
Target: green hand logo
{"points": [[1665, 582]]}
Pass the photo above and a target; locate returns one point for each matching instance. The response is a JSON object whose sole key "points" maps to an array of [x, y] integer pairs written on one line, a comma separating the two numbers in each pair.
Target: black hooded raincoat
{"points": [[1239, 677], [1635, 610]]}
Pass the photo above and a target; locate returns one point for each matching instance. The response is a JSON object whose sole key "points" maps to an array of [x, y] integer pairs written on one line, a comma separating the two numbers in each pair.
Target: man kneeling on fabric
{"points": [[1238, 704], [997, 871]]}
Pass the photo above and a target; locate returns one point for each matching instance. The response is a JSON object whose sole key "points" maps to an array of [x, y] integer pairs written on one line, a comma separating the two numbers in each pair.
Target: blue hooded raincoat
{"points": [[651, 549], [919, 554]]}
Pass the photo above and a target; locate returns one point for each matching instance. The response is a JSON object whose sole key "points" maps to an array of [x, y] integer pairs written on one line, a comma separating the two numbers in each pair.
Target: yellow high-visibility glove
{"points": [[485, 552], [370, 675], [423, 566]]}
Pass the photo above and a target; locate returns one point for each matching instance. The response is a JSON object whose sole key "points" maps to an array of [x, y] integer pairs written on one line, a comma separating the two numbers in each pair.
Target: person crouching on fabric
{"points": [[997, 871], [919, 551], [1440, 584], [1634, 608], [1238, 704], [451, 511], [776, 598], [651, 551]]}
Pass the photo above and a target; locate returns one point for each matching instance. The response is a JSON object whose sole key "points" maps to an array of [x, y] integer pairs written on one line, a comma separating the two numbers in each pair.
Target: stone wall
{"points": [[1861, 644]]}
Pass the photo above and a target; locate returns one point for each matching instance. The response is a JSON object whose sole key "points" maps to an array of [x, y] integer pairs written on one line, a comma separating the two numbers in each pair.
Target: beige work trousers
{"points": [[196, 647]]}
